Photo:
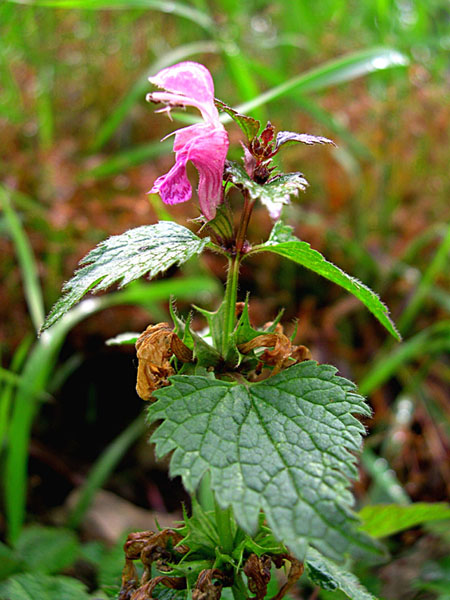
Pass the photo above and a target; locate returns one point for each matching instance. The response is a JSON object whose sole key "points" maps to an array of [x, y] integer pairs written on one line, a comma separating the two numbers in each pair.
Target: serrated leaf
{"points": [[245, 332], [282, 445], [382, 520], [47, 549], [330, 576], [273, 194], [123, 258], [287, 138], [205, 355], [27, 586], [199, 531], [215, 321], [284, 243], [249, 125], [164, 593]]}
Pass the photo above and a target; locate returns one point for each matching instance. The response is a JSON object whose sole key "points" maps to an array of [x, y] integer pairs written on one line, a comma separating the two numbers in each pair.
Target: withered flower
{"points": [[209, 585], [257, 569], [283, 353], [295, 572], [155, 348]]}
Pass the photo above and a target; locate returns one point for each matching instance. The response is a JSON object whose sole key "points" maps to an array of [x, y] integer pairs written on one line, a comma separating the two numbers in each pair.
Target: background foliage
{"points": [[80, 149]]}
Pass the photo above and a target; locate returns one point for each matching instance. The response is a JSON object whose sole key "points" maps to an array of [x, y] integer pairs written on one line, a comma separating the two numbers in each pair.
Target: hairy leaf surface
{"points": [[287, 138], [123, 258], [330, 576], [30, 586], [283, 242], [282, 445], [47, 549], [272, 194]]}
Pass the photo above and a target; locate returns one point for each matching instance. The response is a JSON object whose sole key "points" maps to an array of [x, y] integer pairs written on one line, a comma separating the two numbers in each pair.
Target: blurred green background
{"points": [[80, 149]]}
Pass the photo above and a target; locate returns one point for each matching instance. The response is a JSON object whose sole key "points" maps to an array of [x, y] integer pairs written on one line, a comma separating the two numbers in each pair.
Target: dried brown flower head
{"points": [[155, 348]]}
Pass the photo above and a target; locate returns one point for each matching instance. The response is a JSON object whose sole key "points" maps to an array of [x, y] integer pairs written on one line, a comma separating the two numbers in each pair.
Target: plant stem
{"points": [[224, 522], [233, 275], [230, 301]]}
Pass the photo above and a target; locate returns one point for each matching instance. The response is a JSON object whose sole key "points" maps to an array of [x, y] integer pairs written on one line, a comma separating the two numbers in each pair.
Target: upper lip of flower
{"points": [[186, 84]]}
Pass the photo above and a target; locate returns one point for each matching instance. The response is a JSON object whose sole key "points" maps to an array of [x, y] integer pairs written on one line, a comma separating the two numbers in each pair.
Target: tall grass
{"points": [[22, 394]]}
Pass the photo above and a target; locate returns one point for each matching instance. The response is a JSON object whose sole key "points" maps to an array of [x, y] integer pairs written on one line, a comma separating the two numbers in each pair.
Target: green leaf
{"points": [[9, 562], [245, 332], [382, 520], [47, 549], [282, 445], [273, 194], [123, 339], [249, 125], [330, 576], [199, 531], [164, 593], [216, 328], [28, 586], [281, 241], [205, 355], [123, 258], [110, 568], [264, 542]]}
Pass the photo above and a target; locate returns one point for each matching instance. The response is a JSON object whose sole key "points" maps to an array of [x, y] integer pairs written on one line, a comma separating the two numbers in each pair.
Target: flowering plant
{"points": [[262, 435]]}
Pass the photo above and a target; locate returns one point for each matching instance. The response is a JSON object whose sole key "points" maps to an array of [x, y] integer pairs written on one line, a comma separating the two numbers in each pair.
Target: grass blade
{"points": [[385, 485], [38, 369], [32, 288], [165, 6], [242, 75], [128, 159], [103, 467], [435, 338], [436, 266], [36, 372], [10, 377], [331, 73]]}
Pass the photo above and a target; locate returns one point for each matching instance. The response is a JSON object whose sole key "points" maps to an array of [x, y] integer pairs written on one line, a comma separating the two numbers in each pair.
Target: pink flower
{"points": [[205, 144]]}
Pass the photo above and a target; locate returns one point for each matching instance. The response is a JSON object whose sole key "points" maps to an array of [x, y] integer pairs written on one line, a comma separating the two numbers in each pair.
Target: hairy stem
{"points": [[230, 301], [233, 274]]}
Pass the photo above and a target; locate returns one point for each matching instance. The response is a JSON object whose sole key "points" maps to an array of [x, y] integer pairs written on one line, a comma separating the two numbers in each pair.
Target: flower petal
{"points": [[187, 83], [174, 186], [208, 154]]}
